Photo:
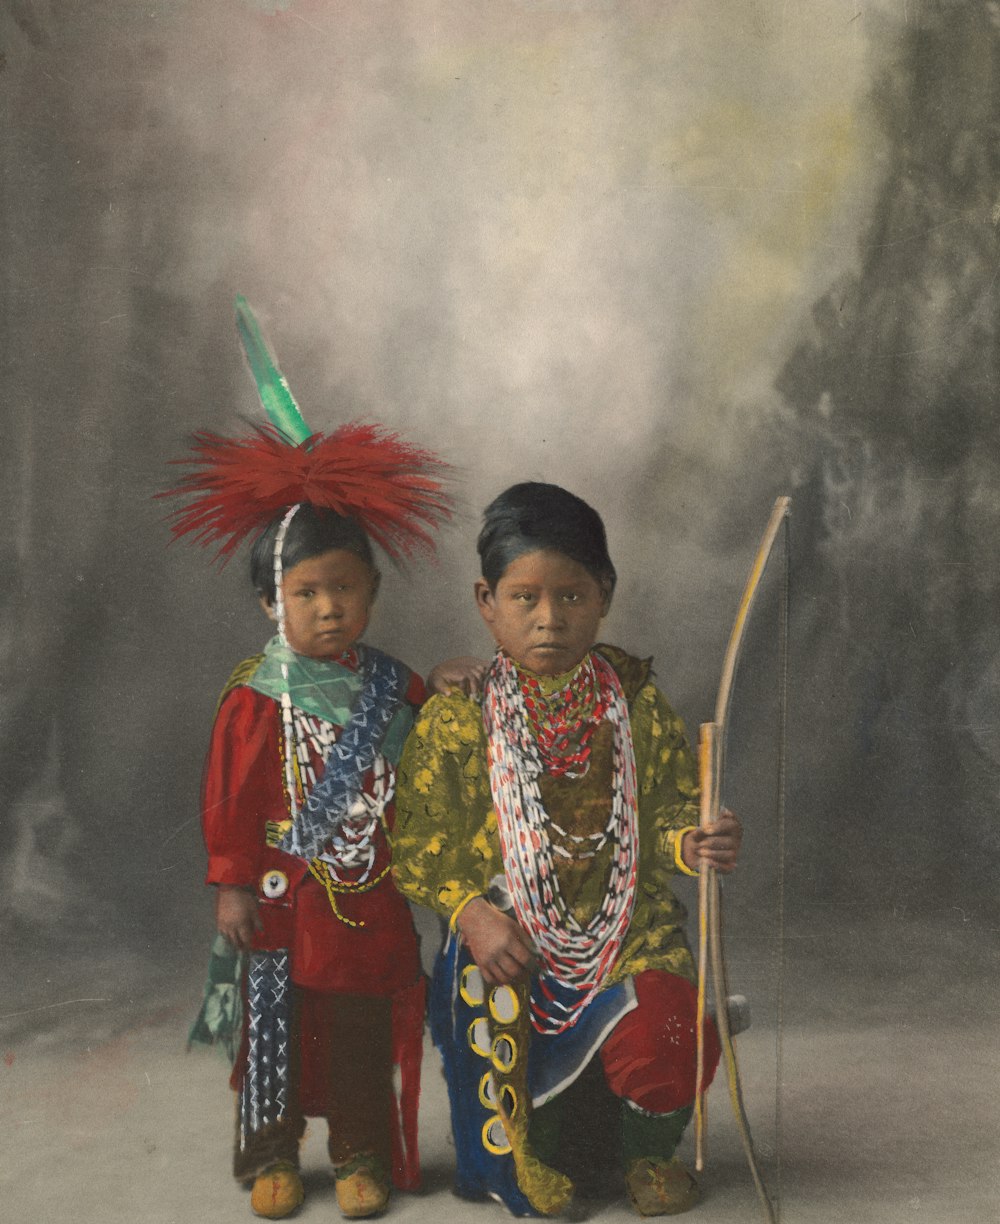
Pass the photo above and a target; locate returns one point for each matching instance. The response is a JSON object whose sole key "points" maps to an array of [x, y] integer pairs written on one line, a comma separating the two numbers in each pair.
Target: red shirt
{"points": [[242, 792]]}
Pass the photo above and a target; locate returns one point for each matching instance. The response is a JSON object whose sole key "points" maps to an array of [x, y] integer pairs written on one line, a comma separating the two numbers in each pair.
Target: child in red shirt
{"points": [[334, 992], [297, 805]]}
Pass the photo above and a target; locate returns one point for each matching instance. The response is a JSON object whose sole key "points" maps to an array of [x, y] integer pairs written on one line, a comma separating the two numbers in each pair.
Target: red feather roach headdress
{"points": [[360, 471], [365, 472]]}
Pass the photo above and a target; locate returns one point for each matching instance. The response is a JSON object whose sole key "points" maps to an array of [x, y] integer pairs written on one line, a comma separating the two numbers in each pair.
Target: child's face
{"points": [[328, 599], [545, 611]]}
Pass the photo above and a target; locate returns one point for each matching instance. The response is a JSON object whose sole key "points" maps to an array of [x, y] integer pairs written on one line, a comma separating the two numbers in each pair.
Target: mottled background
{"points": [[681, 257]]}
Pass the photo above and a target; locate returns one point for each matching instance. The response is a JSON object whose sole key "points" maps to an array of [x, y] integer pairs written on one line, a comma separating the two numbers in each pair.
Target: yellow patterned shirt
{"points": [[446, 847]]}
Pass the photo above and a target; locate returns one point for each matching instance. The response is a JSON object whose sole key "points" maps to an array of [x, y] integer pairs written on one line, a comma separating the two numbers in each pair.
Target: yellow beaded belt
{"points": [[321, 871]]}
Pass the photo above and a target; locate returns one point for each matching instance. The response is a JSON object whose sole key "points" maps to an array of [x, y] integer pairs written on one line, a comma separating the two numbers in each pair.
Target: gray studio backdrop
{"points": [[680, 257]]}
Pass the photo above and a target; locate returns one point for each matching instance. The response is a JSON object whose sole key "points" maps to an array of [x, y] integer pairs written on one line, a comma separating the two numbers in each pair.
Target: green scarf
{"points": [[324, 689]]}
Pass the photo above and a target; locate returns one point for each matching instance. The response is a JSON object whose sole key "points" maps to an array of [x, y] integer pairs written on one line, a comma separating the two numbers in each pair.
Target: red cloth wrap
{"points": [[242, 791], [650, 1056]]}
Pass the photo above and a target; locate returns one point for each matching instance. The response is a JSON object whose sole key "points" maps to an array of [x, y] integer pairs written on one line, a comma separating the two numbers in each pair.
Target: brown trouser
{"points": [[341, 1070]]}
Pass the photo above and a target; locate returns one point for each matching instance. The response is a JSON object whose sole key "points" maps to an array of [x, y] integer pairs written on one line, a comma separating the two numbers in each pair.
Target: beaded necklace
{"points": [[349, 854], [343, 851], [575, 958], [563, 724], [287, 715], [348, 860]]}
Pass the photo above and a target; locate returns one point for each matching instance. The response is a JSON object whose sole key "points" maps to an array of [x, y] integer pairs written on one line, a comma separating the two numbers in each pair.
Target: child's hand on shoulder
{"points": [[236, 916], [464, 674], [717, 845]]}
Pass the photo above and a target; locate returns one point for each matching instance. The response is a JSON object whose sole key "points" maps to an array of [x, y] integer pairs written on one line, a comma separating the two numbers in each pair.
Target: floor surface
{"points": [[889, 1109]]}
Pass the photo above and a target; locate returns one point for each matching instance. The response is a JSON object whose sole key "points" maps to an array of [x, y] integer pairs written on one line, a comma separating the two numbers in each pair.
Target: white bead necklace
{"points": [[575, 958]]}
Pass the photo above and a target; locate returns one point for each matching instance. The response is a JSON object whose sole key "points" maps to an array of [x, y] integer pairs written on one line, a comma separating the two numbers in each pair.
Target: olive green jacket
{"points": [[446, 847]]}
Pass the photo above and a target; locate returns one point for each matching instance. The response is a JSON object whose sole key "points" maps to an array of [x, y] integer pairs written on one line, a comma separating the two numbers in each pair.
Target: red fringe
{"points": [[408, 1048]]}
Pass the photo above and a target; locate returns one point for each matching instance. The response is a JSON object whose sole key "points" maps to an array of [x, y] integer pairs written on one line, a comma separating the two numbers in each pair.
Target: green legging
{"points": [[653, 1136]]}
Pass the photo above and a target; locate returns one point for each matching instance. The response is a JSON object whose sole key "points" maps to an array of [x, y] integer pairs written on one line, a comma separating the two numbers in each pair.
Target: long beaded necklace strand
{"points": [[576, 958], [354, 849], [287, 718], [351, 849]]}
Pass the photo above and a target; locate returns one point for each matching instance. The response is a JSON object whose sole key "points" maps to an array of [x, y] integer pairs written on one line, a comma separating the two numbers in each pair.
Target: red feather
{"points": [[364, 472]]}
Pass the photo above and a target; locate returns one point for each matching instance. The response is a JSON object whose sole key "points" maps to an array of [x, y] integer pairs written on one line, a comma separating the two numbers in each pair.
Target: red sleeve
{"points": [[242, 788], [416, 694]]}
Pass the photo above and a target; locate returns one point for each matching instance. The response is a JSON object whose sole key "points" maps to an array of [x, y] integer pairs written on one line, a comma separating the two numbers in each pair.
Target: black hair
{"points": [[532, 516], [313, 530]]}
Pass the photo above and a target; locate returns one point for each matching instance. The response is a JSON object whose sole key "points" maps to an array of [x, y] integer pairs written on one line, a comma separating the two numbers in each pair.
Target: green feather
{"points": [[278, 401]]}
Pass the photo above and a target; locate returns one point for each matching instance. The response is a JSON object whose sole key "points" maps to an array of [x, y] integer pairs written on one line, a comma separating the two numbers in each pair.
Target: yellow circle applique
{"points": [[488, 1096], [504, 1053], [495, 1137], [479, 1037], [505, 1006], [472, 987], [488, 1091]]}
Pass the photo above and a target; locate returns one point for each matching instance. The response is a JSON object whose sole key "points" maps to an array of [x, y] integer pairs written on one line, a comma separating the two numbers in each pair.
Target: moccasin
{"points": [[277, 1192], [362, 1188], [658, 1188]]}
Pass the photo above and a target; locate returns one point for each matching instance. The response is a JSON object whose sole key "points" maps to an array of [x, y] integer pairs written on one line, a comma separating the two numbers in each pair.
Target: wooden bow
{"points": [[711, 754]]}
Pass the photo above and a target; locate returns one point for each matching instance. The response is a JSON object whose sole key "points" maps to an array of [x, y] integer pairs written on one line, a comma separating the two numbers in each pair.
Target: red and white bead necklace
{"points": [[575, 958]]}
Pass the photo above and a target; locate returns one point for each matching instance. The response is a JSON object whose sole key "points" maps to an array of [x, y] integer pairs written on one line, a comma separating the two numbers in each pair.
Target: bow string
{"points": [[711, 759]]}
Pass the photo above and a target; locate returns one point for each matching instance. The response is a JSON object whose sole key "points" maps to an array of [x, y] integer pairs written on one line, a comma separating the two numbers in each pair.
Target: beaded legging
{"points": [[341, 1070]]}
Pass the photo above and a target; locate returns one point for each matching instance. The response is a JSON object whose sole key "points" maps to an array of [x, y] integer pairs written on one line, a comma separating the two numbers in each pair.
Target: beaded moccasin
{"points": [[362, 1187], [277, 1192], [658, 1188]]}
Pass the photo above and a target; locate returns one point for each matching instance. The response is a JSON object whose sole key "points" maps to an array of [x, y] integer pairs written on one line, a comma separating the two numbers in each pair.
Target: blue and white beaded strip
{"points": [[265, 1083], [329, 803]]}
